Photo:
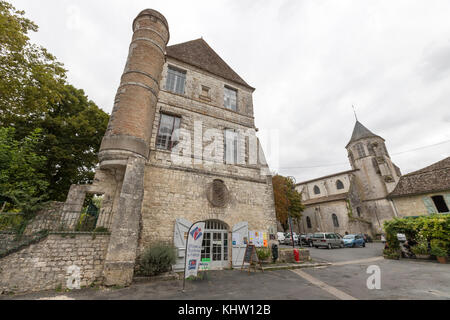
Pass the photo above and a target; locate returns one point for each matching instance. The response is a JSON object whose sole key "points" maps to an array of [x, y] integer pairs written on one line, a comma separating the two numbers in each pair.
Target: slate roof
{"points": [[361, 132], [326, 177], [335, 197], [199, 54], [433, 178]]}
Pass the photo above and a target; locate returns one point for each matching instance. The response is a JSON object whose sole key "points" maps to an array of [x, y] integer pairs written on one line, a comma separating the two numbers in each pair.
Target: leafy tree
{"points": [[35, 95], [288, 201], [20, 180]]}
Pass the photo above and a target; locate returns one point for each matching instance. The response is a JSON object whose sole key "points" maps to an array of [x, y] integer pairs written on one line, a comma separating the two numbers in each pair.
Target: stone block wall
{"points": [[44, 265], [48, 218]]}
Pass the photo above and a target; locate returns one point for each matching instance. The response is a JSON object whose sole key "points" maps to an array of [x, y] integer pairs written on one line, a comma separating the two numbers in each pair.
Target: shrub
{"points": [[439, 248], [263, 253], [157, 259], [420, 248], [391, 253]]}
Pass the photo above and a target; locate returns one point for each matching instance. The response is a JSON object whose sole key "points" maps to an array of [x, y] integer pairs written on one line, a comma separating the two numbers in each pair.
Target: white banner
{"points": [[194, 248]]}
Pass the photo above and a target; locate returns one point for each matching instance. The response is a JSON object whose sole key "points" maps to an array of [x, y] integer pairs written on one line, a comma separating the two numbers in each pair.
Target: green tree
{"points": [[35, 95], [288, 201], [20, 181]]}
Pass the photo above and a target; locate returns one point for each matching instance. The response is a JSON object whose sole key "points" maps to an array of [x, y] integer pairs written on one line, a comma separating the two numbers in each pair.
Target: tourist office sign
{"points": [[193, 249]]}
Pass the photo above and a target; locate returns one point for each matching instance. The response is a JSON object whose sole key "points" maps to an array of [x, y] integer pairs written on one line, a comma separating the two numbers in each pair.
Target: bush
{"points": [[392, 253], [263, 253], [439, 248], [157, 259], [421, 248]]}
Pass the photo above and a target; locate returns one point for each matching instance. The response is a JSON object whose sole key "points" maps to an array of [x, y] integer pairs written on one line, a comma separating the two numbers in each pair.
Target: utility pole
{"points": [[290, 217]]}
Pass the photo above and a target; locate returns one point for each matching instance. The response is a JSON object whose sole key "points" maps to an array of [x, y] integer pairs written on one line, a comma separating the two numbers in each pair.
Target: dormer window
{"points": [[176, 80], [230, 98], [316, 190]]}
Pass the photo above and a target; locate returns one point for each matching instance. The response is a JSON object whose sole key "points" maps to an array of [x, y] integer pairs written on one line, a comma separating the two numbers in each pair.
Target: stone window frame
{"points": [[230, 88], [206, 89], [335, 219], [316, 190], [359, 147], [169, 114], [175, 69], [308, 222], [339, 185]]}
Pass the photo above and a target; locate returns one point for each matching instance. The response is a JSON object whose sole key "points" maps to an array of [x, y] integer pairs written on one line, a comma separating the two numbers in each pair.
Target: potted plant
{"points": [[421, 250], [438, 249], [391, 253], [263, 254]]}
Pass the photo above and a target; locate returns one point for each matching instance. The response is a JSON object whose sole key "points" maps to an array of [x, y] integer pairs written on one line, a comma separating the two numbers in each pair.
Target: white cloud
{"points": [[309, 61]]}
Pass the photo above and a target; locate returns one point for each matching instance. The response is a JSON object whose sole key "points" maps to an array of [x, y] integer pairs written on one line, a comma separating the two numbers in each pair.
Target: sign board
{"points": [[249, 251], [194, 249]]}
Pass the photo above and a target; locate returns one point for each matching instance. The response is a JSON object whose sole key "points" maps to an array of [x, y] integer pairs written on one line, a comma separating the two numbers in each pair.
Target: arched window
{"points": [[335, 220], [316, 190], [308, 222], [358, 209], [360, 150], [339, 185]]}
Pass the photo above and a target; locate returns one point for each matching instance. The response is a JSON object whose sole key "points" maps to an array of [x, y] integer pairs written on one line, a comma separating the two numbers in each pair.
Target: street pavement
{"points": [[345, 279]]}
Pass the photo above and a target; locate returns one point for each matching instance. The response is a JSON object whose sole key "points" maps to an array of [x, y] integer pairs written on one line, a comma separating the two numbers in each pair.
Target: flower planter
{"points": [[423, 256], [442, 259]]}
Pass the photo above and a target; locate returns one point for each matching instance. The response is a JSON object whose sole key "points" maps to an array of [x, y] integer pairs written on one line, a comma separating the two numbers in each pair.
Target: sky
{"points": [[309, 60]]}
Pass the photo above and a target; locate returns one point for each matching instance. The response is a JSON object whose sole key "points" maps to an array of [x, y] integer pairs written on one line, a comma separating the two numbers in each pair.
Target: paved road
{"points": [[345, 279]]}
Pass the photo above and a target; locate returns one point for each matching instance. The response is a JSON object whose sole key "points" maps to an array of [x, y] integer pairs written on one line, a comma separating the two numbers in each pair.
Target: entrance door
{"points": [[215, 246]]}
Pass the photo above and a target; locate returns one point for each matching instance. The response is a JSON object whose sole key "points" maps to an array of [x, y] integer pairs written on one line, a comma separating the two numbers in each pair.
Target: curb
{"points": [[297, 266]]}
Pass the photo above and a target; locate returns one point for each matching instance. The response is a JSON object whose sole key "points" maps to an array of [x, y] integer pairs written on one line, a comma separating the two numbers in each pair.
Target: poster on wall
{"points": [[258, 238], [194, 249]]}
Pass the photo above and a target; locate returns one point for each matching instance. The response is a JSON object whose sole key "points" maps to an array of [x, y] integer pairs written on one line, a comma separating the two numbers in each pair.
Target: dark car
{"points": [[306, 239]]}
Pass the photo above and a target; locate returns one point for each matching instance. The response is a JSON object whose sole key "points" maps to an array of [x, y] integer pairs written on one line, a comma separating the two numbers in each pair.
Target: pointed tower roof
{"points": [[199, 54], [361, 132]]}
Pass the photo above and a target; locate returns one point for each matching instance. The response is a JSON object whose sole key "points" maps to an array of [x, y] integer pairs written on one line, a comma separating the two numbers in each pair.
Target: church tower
{"points": [[376, 174]]}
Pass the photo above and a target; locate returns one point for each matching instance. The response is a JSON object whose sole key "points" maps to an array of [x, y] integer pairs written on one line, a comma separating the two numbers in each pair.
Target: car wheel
{"points": [[364, 245], [329, 246], [316, 247], [353, 245], [341, 245]]}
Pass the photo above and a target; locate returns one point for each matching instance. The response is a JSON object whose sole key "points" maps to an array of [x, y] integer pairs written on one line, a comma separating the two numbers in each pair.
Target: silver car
{"points": [[328, 240]]}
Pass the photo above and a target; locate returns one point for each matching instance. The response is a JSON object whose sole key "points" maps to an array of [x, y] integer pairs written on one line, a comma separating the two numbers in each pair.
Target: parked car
{"points": [[353, 240], [327, 240], [280, 237], [306, 239], [287, 238]]}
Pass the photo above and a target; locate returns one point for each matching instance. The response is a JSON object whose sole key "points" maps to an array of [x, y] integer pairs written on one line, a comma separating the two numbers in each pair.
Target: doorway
{"points": [[215, 245]]}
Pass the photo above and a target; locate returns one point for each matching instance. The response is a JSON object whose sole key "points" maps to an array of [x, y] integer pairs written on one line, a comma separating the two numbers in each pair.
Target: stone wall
{"points": [[415, 206], [171, 194], [48, 218], [7, 240], [44, 265]]}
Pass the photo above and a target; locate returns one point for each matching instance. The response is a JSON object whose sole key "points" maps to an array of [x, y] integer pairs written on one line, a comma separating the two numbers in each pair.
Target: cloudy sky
{"points": [[310, 61]]}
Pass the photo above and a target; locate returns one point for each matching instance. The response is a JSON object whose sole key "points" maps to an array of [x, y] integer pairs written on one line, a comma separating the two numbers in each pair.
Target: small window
{"points": [[230, 98], [339, 185], [176, 80], [205, 93], [440, 204], [358, 210], [167, 135], [316, 190], [335, 220], [308, 222], [360, 150], [231, 146]]}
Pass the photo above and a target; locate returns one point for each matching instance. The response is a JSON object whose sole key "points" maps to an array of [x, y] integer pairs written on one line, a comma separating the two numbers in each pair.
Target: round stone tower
{"points": [[130, 125]]}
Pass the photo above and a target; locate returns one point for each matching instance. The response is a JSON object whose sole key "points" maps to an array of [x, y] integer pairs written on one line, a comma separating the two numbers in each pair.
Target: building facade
{"points": [[353, 201], [180, 147], [425, 191]]}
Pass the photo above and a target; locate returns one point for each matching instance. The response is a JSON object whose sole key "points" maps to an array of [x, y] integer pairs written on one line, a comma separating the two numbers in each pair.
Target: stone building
{"points": [[353, 201], [425, 191], [180, 147]]}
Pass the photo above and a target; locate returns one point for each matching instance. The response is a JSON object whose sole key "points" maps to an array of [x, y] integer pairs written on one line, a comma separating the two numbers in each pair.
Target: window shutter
{"points": [[429, 205], [447, 199]]}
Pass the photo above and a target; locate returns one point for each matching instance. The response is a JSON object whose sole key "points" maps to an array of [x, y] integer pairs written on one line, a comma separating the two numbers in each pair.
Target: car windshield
{"points": [[319, 235], [349, 236]]}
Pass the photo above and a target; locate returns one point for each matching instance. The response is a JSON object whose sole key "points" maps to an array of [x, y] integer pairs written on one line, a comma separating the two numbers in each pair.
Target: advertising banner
{"points": [[194, 249]]}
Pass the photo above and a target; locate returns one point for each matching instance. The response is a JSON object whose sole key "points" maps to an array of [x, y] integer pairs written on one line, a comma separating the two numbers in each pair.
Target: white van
{"points": [[280, 237]]}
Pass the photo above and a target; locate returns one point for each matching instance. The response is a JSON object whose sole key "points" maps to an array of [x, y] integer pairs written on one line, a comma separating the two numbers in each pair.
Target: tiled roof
{"points": [[433, 178], [326, 177], [361, 132], [199, 54], [335, 197]]}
